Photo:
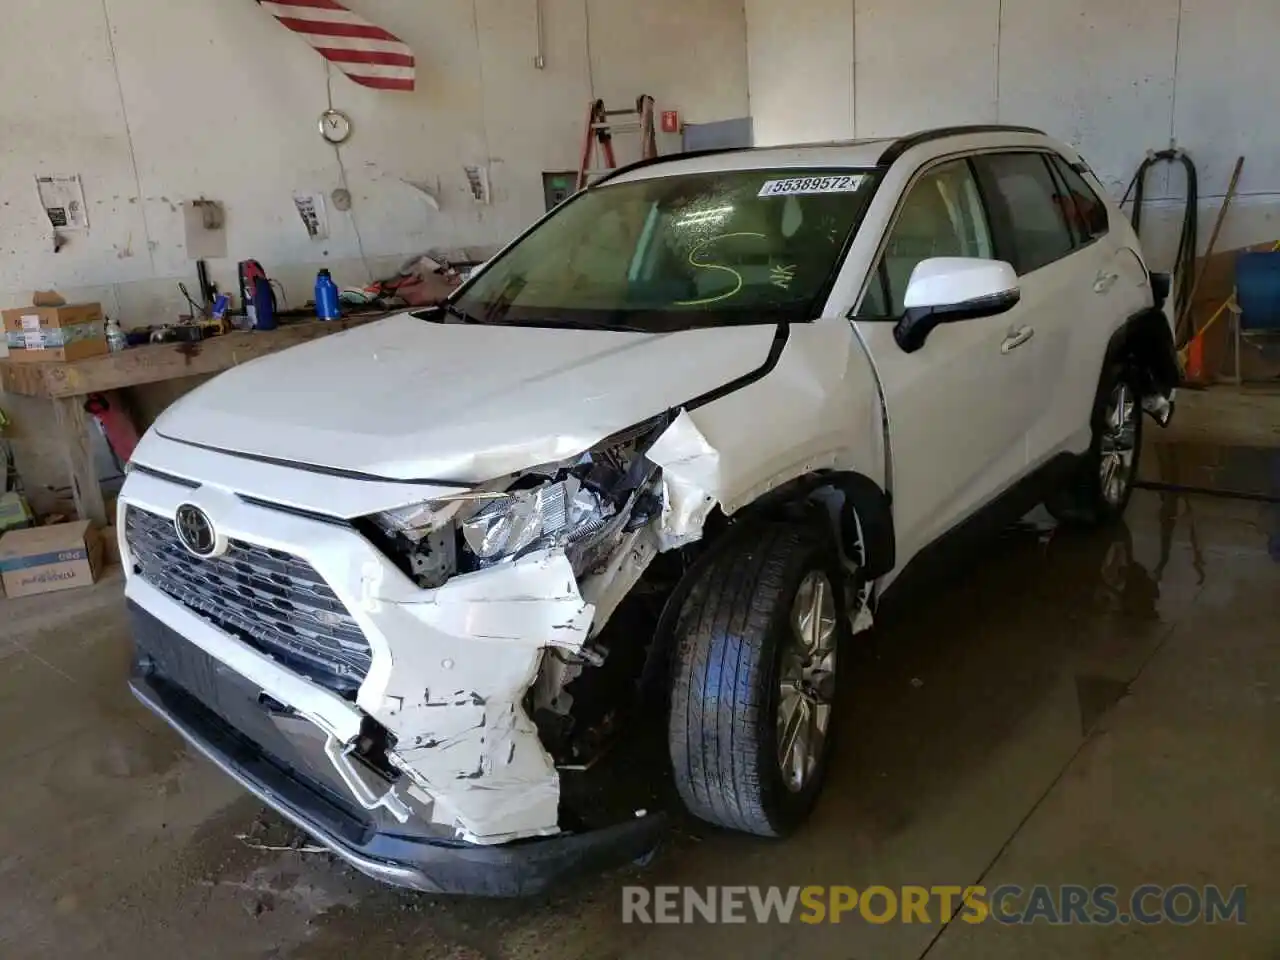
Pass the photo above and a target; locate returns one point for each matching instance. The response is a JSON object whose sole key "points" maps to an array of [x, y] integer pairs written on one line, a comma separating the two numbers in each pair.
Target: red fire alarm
{"points": [[670, 121]]}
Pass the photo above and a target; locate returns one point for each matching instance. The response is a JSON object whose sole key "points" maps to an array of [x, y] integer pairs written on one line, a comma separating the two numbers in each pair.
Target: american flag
{"points": [[366, 53]]}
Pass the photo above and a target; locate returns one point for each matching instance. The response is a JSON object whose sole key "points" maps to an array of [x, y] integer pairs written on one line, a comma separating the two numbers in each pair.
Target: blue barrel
{"points": [[1258, 290]]}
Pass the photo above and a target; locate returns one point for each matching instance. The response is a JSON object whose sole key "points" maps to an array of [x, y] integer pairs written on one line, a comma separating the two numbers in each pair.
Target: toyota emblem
{"points": [[195, 530]]}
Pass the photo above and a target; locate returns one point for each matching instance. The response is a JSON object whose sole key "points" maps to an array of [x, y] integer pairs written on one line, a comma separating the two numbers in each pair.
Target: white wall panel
{"points": [[801, 69], [245, 136], [1095, 73], [929, 63], [1115, 78], [62, 115], [533, 118], [1229, 92], [689, 54]]}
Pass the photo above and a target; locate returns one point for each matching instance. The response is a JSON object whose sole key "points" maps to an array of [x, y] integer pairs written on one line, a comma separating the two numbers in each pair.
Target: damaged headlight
{"points": [[496, 526], [584, 505], [554, 514], [414, 521]]}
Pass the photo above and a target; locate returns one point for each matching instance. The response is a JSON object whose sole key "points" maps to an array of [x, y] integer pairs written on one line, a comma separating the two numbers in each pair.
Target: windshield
{"points": [[671, 253]]}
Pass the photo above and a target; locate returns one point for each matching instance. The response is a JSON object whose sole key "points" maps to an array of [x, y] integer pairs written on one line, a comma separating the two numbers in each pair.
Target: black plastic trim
{"points": [[294, 511], [1161, 286], [864, 497], [911, 332], [874, 509], [901, 146], [1146, 343], [254, 501], [780, 337], [166, 477]]}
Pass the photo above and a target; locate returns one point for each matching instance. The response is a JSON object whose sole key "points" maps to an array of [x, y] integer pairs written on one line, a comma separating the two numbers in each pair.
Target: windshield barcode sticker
{"points": [[797, 185]]}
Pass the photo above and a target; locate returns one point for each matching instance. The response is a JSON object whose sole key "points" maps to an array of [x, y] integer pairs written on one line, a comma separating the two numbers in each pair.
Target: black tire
{"points": [[1083, 501], [730, 639]]}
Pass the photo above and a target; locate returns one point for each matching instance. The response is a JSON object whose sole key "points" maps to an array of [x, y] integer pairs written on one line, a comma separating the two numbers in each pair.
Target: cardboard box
{"points": [[45, 559], [52, 330], [110, 545]]}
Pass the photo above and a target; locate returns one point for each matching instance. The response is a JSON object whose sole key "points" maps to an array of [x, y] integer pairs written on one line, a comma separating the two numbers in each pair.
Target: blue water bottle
{"points": [[326, 297]]}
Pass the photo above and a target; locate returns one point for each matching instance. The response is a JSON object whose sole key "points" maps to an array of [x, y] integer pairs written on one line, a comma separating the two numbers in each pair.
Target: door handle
{"points": [[1016, 338], [1102, 283]]}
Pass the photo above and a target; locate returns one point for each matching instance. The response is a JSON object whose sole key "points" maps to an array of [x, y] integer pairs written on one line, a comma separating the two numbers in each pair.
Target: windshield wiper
{"points": [[561, 323], [458, 312], [557, 323]]}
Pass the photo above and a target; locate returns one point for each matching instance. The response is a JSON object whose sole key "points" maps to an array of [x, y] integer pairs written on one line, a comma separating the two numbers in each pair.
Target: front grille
{"points": [[270, 599]]}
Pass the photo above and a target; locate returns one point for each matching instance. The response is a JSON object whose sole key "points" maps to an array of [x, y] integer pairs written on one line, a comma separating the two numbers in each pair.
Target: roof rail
{"points": [[891, 153], [902, 145], [662, 158]]}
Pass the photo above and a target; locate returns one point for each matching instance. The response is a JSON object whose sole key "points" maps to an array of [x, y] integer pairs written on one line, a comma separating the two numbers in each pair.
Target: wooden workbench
{"points": [[67, 385]]}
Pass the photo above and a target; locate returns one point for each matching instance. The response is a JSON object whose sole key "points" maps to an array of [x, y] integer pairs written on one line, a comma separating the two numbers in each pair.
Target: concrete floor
{"points": [[1072, 708]]}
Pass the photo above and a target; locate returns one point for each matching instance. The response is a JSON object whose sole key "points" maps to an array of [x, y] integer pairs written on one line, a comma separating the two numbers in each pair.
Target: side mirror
{"points": [[949, 289]]}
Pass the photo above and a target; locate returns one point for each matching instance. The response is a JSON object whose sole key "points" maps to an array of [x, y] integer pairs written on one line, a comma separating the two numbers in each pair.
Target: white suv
{"points": [[402, 582]]}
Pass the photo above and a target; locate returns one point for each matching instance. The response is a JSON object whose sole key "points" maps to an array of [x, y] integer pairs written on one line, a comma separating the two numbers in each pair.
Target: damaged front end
{"points": [[582, 508], [594, 522], [431, 672]]}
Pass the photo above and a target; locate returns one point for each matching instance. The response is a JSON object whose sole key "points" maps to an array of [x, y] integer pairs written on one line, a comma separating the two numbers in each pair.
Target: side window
{"points": [[941, 216], [1022, 185], [1085, 212]]}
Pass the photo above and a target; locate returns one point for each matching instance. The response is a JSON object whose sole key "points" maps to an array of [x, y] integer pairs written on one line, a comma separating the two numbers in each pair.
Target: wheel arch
{"points": [[1144, 343], [865, 519]]}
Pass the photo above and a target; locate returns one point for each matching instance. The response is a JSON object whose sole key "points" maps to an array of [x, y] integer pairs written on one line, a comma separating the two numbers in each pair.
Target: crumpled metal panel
{"points": [[270, 599]]}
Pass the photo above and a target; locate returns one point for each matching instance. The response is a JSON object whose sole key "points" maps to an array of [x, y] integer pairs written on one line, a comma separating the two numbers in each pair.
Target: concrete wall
{"points": [[155, 104], [1114, 78]]}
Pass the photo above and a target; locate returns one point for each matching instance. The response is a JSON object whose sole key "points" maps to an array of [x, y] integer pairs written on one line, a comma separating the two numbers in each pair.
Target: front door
{"points": [[957, 418]]}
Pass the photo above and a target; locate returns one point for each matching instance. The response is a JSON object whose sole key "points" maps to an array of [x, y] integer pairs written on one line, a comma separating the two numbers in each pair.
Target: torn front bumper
{"points": [[449, 667], [222, 715]]}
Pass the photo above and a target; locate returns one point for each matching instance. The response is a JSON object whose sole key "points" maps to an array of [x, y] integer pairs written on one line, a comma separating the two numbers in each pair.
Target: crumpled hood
{"points": [[406, 398]]}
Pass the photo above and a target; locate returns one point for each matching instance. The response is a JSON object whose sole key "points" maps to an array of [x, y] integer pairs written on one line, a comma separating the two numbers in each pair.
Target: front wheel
{"points": [[1100, 487], [758, 640]]}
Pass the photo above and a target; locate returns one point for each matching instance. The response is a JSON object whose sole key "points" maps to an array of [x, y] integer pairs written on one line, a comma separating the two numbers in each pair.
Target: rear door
{"points": [[957, 423], [1055, 234], [1118, 288]]}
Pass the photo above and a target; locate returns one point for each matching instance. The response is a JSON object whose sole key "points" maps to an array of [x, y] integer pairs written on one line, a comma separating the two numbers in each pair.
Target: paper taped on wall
{"points": [[63, 200], [315, 218]]}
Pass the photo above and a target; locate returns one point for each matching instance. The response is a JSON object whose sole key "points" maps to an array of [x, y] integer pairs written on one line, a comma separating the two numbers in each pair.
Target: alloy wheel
{"points": [[807, 680], [1119, 444]]}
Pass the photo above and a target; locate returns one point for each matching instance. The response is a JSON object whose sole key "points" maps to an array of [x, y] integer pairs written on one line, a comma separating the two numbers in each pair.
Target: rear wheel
{"points": [[1100, 488], [758, 642]]}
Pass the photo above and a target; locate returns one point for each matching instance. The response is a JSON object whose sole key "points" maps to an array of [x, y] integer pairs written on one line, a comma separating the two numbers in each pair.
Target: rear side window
{"points": [[1030, 208], [1086, 214]]}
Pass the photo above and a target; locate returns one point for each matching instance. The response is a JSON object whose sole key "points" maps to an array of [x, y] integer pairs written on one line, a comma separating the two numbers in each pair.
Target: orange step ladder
{"points": [[597, 141]]}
